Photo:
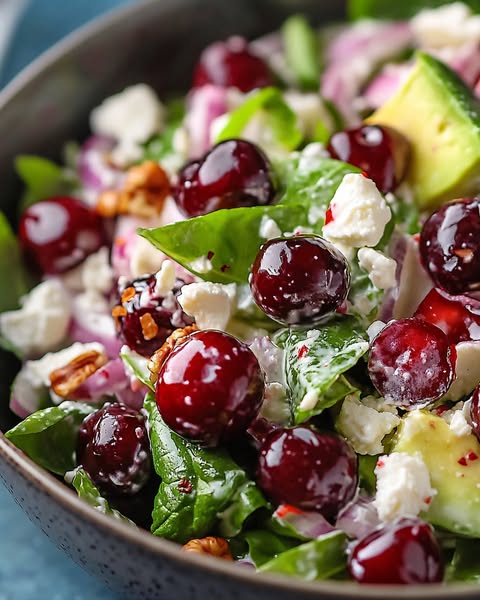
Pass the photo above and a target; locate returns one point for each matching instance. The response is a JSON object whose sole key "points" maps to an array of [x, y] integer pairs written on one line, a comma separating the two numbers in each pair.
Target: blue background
{"points": [[31, 567]]}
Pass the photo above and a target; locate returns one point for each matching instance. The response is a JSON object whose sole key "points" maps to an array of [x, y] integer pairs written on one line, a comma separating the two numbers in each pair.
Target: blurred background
{"points": [[31, 567]]}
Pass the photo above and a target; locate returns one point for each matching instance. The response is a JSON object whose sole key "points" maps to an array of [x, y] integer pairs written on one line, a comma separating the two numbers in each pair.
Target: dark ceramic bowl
{"points": [[155, 41]]}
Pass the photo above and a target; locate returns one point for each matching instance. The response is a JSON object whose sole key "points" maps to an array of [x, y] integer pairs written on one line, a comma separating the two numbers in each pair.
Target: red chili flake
{"points": [[302, 351], [416, 237], [185, 486], [328, 216], [462, 461], [224, 268], [427, 500], [471, 456], [432, 425], [287, 509], [210, 255], [364, 174], [380, 463]]}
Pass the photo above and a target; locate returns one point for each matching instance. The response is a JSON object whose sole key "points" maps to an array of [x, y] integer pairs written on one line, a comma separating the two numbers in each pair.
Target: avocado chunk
{"points": [[454, 466], [440, 116]]}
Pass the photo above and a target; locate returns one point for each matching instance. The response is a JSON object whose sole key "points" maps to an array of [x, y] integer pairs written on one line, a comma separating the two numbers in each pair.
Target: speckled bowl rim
{"points": [[66, 497]]}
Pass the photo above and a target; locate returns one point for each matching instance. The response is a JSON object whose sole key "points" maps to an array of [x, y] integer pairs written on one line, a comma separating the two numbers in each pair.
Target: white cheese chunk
{"points": [[42, 322], [381, 269], [359, 214], [365, 427], [165, 278], [467, 371], [210, 304], [269, 229], [403, 486], [450, 25]]}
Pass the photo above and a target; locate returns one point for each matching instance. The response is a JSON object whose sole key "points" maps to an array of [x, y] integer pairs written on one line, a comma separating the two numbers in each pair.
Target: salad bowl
{"points": [[156, 43]]}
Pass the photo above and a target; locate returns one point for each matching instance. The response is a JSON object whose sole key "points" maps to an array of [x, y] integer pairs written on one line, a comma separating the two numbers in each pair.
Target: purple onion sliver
{"points": [[106, 381], [358, 518]]}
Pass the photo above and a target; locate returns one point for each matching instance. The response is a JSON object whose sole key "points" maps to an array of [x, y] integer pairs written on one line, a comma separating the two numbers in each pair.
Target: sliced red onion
{"points": [[385, 84], [27, 397], [205, 104], [358, 518], [310, 525], [95, 172], [132, 398], [107, 381]]}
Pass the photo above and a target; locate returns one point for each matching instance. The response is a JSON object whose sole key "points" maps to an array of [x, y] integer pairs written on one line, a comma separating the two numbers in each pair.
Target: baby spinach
{"points": [[465, 564], [89, 492], [319, 559], [13, 276], [302, 51], [279, 118], [315, 360], [264, 546], [232, 238], [201, 490], [138, 365], [49, 436], [160, 147], [386, 9]]}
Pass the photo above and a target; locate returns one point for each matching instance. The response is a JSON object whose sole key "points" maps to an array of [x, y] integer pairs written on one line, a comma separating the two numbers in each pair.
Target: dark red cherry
{"points": [[58, 234], [450, 246], [210, 388], [231, 64], [380, 151], [299, 279], [475, 412], [144, 319], [114, 450], [308, 469], [233, 174], [405, 551], [412, 363], [457, 316]]}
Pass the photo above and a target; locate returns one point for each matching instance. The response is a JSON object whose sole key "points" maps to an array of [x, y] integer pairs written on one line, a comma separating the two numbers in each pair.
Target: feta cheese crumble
{"points": [[210, 304], [381, 269], [269, 229], [364, 426], [467, 371], [165, 278], [450, 25], [359, 214], [403, 486], [41, 324]]}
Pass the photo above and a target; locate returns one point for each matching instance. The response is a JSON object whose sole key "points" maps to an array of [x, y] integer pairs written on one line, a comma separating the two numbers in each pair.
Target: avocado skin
{"points": [[440, 116], [456, 506]]}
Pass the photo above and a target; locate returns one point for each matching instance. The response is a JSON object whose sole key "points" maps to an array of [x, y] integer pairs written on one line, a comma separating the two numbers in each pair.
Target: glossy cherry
{"points": [[475, 412], [405, 551], [145, 319], [450, 246], [380, 151], [412, 363], [457, 316], [114, 450], [299, 279], [233, 174], [308, 469], [231, 64], [58, 234], [210, 388]]}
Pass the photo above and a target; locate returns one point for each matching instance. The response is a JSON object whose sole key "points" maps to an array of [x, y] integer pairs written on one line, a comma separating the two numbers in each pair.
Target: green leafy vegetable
{"points": [[42, 179], [263, 545], [465, 565], [138, 365], [13, 277], [366, 472], [232, 237], [315, 360], [160, 147], [302, 51], [221, 495], [319, 559], [89, 492], [386, 9], [49, 436], [279, 118]]}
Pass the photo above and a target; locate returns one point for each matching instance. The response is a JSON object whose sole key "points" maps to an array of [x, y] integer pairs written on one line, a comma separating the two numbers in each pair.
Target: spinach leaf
{"points": [[49, 436], [302, 51], [160, 147], [315, 360], [465, 565], [279, 118], [138, 365], [366, 472], [43, 178], [89, 492], [13, 276], [221, 495], [230, 236], [386, 9], [264, 546], [319, 559]]}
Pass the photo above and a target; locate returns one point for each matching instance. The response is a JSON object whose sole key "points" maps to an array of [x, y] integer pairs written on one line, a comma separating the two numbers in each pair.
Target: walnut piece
{"points": [[144, 192], [214, 546], [68, 378], [177, 337]]}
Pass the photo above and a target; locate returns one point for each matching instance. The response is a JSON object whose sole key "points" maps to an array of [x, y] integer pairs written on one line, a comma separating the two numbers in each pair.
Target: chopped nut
{"points": [[128, 293], [68, 378], [107, 203], [177, 337], [214, 546], [149, 327]]}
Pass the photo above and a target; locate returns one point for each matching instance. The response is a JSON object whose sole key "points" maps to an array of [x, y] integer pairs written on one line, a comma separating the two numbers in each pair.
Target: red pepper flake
{"points": [[432, 425], [210, 255], [287, 509], [416, 237], [427, 500], [328, 216], [302, 351], [471, 456], [224, 268], [462, 461], [185, 486], [380, 463], [364, 174]]}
